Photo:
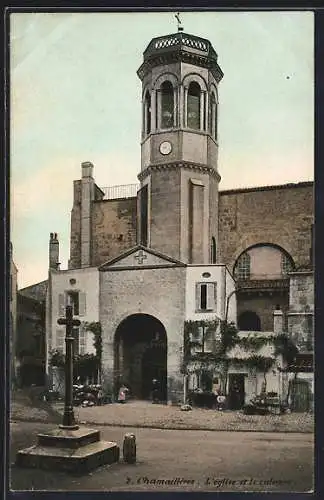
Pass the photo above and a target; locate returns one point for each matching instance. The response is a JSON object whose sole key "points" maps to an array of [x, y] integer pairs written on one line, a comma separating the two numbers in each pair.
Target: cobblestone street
{"points": [[182, 461], [145, 414]]}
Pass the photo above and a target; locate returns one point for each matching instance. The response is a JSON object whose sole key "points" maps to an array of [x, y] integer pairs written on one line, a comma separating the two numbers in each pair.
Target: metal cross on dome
{"points": [[140, 257], [177, 16]]}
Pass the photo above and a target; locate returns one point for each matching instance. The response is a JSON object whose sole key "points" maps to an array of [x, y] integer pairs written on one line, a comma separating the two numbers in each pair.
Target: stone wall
{"points": [[75, 235], [301, 310], [113, 228], [263, 304], [279, 215], [165, 212], [157, 292]]}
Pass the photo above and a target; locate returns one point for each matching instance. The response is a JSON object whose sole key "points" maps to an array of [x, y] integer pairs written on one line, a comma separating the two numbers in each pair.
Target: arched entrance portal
{"points": [[141, 355]]}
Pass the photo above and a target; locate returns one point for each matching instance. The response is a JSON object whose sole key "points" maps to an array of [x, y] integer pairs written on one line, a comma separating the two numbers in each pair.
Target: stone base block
{"points": [[75, 451], [69, 438], [78, 461]]}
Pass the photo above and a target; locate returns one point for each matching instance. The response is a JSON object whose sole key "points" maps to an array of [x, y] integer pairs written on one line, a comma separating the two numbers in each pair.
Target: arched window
{"points": [[167, 105], [249, 321], [286, 264], [147, 113], [193, 106], [213, 116], [213, 250], [243, 267]]}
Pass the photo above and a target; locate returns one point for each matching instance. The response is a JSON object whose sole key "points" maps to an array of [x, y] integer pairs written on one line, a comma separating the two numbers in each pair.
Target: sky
{"points": [[75, 97]]}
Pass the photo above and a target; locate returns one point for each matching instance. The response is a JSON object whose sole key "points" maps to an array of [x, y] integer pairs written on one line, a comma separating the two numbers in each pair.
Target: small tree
{"points": [[191, 334]]}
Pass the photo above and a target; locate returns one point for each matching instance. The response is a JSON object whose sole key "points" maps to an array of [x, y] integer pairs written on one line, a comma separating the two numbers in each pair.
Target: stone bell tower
{"points": [[178, 200]]}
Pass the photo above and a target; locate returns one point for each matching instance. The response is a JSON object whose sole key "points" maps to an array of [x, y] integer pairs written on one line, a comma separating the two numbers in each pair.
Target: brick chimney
{"points": [[54, 250], [87, 196]]}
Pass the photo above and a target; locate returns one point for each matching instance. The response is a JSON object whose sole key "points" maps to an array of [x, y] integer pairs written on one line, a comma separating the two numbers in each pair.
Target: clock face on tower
{"points": [[165, 147]]}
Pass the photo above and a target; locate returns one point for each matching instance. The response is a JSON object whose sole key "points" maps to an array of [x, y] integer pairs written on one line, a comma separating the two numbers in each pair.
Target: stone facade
{"points": [[284, 218], [30, 340], [168, 254], [113, 228], [157, 290], [279, 215], [301, 310], [165, 290]]}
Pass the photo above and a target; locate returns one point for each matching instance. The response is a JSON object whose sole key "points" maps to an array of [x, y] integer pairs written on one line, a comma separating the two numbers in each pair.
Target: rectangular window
{"points": [[82, 341], [206, 296], [203, 296], [243, 269], [73, 300]]}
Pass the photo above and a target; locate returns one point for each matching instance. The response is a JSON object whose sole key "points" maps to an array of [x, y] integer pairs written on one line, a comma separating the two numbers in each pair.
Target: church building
{"points": [[146, 260]]}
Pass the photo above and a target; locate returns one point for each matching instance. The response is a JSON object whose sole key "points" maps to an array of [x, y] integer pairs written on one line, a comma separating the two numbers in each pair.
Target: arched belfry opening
{"points": [[147, 113], [213, 117], [141, 355], [193, 106], [167, 105]]}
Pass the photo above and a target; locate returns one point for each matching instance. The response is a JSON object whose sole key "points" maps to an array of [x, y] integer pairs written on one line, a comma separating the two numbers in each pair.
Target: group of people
{"points": [[124, 392]]}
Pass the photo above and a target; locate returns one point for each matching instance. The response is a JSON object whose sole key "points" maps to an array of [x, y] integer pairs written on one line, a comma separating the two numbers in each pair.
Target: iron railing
{"points": [[120, 191]]}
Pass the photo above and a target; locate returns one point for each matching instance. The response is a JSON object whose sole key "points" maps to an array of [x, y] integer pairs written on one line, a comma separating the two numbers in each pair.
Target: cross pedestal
{"points": [[69, 447]]}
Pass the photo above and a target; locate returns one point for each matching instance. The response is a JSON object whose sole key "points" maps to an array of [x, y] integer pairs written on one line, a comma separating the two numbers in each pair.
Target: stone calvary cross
{"points": [[69, 448], [68, 416]]}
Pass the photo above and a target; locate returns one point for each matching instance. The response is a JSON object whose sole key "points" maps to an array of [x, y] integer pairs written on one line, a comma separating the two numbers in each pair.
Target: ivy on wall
{"points": [[229, 338], [84, 365]]}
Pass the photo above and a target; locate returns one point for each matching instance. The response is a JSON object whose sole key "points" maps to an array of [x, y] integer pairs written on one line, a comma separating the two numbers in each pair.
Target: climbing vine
{"points": [[57, 358], [229, 339], [84, 365]]}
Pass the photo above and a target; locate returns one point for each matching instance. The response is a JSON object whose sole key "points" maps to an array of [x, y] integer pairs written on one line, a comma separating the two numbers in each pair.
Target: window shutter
{"points": [[82, 340], [82, 304], [198, 296], [211, 296], [209, 340], [61, 304], [60, 340]]}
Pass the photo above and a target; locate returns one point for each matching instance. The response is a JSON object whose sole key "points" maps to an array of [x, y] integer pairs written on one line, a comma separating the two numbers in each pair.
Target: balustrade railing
{"points": [[120, 191]]}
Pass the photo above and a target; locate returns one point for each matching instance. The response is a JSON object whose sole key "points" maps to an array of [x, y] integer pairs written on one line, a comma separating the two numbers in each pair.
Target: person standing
{"points": [[221, 399], [122, 394], [155, 391]]}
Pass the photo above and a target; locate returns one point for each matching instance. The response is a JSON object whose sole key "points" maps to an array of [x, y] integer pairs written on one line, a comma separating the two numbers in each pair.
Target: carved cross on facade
{"points": [[140, 257], [69, 322]]}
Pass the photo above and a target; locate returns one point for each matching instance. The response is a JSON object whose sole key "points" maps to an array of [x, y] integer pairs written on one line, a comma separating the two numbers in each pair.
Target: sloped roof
{"points": [[36, 291], [145, 258]]}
